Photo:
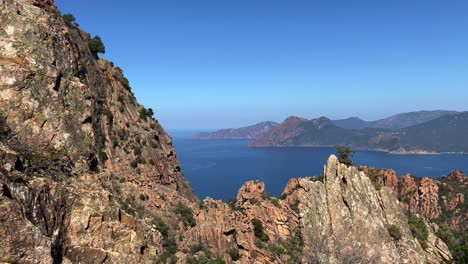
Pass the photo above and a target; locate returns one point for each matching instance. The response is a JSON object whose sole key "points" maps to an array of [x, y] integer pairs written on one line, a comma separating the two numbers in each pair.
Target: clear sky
{"points": [[227, 63]]}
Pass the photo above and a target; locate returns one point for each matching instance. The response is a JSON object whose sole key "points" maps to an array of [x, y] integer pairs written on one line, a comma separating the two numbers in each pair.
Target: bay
{"points": [[218, 168]]}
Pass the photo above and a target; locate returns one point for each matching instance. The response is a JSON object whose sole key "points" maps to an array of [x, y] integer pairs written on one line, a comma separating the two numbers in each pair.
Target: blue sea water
{"points": [[218, 168]]}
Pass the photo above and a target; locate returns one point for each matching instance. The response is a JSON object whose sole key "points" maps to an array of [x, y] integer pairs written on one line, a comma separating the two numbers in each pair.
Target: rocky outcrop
{"points": [[354, 217], [434, 199]]}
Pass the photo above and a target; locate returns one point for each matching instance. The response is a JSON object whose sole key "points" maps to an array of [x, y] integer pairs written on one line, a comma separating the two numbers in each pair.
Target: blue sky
{"points": [[227, 63]]}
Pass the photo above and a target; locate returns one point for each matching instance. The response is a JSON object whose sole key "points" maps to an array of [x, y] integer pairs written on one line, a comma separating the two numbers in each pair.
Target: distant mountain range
{"points": [[393, 122], [415, 132]]}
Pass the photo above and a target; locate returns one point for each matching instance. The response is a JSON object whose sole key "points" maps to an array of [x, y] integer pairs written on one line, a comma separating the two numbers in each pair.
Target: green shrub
{"points": [[185, 214], [232, 203], [197, 248], [70, 20], [374, 176], [137, 151], [162, 227], [293, 246], [234, 253], [394, 231], [134, 164], [96, 46], [145, 113], [104, 156], [126, 84], [169, 242], [109, 115], [258, 230], [275, 202], [140, 160], [202, 205], [418, 229], [460, 250], [345, 155], [275, 249]]}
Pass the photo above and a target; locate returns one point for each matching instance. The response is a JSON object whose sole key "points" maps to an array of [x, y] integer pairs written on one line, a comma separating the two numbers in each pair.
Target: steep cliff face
{"points": [[80, 161], [88, 176]]}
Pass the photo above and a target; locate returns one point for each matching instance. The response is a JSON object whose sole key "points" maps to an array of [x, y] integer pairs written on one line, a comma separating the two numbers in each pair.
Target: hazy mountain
{"points": [[393, 122], [248, 132], [351, 123], [448, 133], [408, 119]]}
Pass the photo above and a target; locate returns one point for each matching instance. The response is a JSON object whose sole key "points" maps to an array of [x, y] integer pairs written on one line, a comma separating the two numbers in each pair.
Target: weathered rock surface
{"points": [[347, 213], [434, 199]]}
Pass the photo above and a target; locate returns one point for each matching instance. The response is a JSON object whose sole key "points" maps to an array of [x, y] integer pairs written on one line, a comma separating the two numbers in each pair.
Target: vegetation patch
{"points": [[457, 241], [345, 155], [234, 254], [394, 232], [419, 229], [374, 176], [70, 20], [186, 214], [169, 242], [275, 202], [258, 230], [96, 46], [145, 113]]}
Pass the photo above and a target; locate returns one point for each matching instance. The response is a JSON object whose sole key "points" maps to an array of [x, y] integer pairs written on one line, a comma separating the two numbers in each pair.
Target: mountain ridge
{"points": [[396, 121], [445, 134]]}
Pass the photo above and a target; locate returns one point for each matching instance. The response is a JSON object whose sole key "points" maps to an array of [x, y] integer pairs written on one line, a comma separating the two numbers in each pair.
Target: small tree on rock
{"points": [[345, 155], [96, 46], [70, 20]]}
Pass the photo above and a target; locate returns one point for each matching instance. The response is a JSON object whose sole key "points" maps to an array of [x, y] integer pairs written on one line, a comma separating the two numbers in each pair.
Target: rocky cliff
{"points": [[87, 175], [441, 200]]}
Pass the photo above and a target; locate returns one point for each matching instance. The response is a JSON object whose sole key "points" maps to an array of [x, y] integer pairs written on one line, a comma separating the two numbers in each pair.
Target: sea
{"points": [[218, 168]]}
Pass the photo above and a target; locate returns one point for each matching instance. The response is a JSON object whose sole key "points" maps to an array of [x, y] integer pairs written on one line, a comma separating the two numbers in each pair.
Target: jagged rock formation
{"points": [[88, 176], [440, 200]]}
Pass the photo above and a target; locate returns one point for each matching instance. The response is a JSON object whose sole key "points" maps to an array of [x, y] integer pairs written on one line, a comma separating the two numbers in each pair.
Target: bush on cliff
{"points": [[258, 230], [185, 214], [70, 20], [345, 155], [234, 253], [96, 46], [419, 230], [394, 231]]}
